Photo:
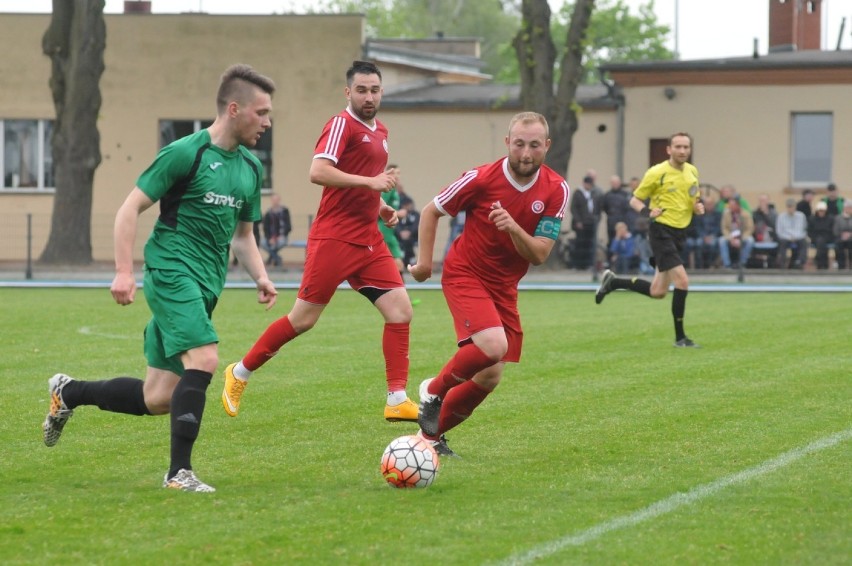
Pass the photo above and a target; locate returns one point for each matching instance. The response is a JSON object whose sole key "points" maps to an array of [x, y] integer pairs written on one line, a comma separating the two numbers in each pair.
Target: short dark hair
{"points": [[361, 68], [679, 134], [235, 79]]}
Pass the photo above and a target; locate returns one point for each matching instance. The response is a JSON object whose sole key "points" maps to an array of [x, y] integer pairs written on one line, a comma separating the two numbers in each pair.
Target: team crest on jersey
{"points": [[538, 206], [693, 190], [385, 145]]}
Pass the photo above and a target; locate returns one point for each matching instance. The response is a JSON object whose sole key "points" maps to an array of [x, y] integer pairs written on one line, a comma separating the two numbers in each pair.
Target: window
{"points": [[812, 135], [171, 130], [27, 159]]}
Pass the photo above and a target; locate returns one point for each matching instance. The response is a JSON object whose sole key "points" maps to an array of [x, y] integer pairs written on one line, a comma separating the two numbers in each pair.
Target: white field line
{"points": [[676, 501], [88, 331]]}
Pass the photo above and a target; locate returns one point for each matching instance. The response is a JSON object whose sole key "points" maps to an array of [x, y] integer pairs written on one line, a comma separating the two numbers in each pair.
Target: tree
{"points": [[494, 21], [615, 35], [536, 55], [75, 42]]}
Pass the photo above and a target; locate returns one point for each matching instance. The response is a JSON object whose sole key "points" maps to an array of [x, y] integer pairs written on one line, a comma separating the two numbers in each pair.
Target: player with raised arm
{"points": [[514, 209], [345, 244], [672, 191]]}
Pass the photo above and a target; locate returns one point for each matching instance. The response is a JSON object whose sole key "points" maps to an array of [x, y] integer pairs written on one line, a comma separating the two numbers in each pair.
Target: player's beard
{"points": [[524, 171], [366, 114]]}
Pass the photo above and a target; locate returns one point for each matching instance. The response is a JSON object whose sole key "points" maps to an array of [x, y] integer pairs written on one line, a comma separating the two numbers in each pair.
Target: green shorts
{"points": [[181, 311]]}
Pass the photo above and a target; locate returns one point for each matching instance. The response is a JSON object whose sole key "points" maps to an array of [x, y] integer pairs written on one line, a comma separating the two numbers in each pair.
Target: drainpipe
{"points": [[614, 93]]}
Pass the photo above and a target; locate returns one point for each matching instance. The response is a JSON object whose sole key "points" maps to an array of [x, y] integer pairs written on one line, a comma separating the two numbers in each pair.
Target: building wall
{"points": [[741, 134], [168, 67]]}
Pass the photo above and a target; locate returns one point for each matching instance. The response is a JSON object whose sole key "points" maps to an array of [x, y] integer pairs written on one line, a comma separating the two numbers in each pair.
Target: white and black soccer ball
{"points": [[410, 461]]}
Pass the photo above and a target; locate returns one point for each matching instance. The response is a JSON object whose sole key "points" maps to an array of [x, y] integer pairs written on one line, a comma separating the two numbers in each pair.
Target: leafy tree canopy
{"points": [[615, 34]]}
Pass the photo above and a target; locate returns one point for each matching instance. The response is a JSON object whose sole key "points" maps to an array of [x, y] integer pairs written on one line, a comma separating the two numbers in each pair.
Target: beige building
{"points": [[775, 123]]}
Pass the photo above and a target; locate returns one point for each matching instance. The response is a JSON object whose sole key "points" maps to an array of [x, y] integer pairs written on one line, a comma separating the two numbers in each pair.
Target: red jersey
{"points": [[482, 249], [349, 214]]}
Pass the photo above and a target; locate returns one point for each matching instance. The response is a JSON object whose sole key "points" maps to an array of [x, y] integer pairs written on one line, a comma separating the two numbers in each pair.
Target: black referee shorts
{"points": [[666, 244]]}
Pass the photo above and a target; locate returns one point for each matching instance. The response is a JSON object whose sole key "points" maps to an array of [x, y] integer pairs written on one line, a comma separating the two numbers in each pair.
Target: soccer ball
{"points": [[410, 461]]}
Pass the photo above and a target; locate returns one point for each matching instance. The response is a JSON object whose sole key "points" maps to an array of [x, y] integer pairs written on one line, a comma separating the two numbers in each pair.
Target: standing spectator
{"points": [[515, 207], [843, 237], [805, 205], [456, 229], [344, 244], [186, 260], [407, 231], [833, 201], [583, 223], [821, 233], [725, 194], [276, 229], [622, 250], [671, 189], [737, 233], [616, 206], [792, 231]]}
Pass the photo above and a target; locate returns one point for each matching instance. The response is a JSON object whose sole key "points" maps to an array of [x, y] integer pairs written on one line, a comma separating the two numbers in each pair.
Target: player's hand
{"points": [[502, 220], [389, 216], [266, 293], [420, 272], [383, 182], [123, 288], [699, 208]]}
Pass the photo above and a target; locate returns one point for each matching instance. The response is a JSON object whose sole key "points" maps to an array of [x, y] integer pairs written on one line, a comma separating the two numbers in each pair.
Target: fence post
{"points": [[28, 274]]}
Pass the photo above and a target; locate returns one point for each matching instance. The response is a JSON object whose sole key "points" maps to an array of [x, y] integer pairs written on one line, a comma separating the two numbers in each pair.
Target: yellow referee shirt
{"points": [[672, 190]]}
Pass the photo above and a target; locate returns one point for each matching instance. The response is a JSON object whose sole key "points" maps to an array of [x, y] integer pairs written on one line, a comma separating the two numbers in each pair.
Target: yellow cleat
{"points": [[233, 391], [405, 411]]}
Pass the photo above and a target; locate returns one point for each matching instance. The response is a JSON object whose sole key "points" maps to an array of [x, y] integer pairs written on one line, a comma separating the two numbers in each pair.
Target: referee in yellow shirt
{"points": [[671, 190]]}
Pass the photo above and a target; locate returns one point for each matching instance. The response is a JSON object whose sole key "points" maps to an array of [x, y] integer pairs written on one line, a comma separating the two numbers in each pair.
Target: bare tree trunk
{"points": [[536, 56], [75, 43], [564, 122]]}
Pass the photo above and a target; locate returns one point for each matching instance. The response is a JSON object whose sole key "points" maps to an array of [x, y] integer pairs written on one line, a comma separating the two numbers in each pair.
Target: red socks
{"points": [[468, 361], [395, 348], [459, 404], [276, 335]]}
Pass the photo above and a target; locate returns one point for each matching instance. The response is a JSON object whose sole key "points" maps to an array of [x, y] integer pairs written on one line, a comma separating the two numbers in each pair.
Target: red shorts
{"points": [[476, 307], [328, 263]]}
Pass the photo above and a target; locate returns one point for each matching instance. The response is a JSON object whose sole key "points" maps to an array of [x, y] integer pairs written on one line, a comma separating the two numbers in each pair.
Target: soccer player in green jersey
{"points": [[208, 186], [671, 190]]}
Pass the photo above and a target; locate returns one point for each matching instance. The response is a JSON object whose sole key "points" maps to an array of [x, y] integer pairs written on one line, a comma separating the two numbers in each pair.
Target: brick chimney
{"points": [[137, 6], [794, 25]]}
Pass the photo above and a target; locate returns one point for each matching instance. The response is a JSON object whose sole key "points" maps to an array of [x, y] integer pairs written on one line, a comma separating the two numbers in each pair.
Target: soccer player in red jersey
{"points": [[345, 244], [514, 210]]}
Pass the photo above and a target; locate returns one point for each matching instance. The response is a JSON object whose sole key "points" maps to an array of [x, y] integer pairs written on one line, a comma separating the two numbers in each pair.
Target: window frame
{"points": [[799, 150]]}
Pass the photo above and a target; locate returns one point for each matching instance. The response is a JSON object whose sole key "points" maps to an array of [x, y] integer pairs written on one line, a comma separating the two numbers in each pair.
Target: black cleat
{"points": [[605, 286], [442, 448], [430, 410]]}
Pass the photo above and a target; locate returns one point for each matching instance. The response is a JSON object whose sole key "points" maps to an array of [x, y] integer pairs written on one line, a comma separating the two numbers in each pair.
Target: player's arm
{"points": [[428, 228], [325, 173], [245, 248], [533, 248], [123, 286], [643, 209]]}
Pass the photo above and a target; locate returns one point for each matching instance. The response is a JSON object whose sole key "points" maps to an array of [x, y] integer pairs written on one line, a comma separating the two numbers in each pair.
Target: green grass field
{"points": [[605, 445]]}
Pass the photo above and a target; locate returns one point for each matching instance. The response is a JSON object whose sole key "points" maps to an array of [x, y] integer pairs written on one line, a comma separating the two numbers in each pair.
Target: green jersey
{"points": [[673, 190], [392, 199], [204, 191]]}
